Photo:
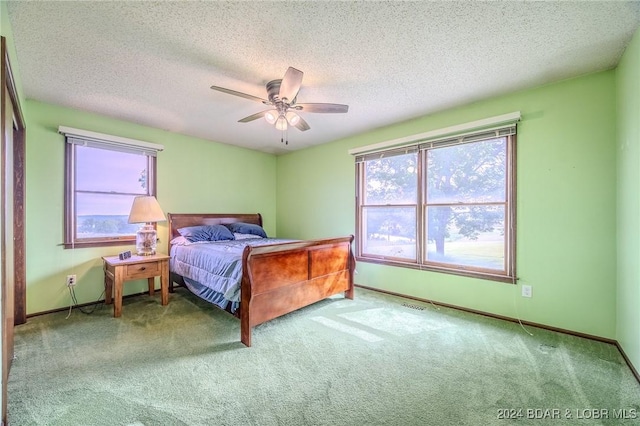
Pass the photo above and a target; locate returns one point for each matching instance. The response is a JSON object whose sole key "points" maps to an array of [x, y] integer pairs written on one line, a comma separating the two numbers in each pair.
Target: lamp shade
{"points": [[271, 116], [281, 123], [146, 209], [292, 118]]}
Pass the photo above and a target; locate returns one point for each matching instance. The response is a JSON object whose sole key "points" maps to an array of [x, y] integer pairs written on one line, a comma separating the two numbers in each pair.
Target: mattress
{"points": [[213, 270]]}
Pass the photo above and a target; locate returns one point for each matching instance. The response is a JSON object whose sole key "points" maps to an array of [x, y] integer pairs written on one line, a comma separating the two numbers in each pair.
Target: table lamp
{"points": [[145, 209]]}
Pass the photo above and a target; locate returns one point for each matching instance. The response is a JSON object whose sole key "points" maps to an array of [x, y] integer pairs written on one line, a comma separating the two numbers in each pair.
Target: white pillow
{"points": [[245, 236], [183, 241], [180, 241]]}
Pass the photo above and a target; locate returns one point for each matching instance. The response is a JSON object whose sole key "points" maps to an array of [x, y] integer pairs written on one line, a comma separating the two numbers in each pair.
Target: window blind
{"points": [[492, 127], [386, 154], [472, 137]]}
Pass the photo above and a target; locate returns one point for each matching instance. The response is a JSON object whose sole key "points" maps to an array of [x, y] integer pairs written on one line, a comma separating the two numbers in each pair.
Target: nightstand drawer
{"points": [[142, 270]]}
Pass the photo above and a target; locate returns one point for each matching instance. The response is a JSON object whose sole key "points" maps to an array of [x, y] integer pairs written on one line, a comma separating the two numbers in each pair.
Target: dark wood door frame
{"points": [[19, 191], [14, 287]]}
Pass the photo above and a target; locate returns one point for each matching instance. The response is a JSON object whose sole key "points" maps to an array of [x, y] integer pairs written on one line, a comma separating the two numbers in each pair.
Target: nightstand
{"points": [[117, 271]]}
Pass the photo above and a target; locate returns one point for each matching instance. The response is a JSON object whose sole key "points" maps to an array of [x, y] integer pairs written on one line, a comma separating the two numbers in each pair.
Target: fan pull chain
{"points": [[284, 138]]}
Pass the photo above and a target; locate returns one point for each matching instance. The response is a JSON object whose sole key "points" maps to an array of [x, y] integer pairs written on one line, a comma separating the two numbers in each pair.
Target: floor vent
{"points": [[416, 307]]}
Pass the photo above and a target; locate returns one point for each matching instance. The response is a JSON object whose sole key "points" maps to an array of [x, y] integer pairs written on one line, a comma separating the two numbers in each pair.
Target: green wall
{"points": [[194, 176], [566, 201], [628, 150]]}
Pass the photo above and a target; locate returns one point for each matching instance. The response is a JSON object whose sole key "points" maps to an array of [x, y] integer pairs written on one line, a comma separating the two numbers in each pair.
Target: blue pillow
{"points": [[246, 228], [206, 233]]}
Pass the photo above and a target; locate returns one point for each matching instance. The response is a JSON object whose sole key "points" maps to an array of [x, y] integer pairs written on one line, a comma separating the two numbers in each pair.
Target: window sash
{"points": [[400, 247], [470, 266], [409, 192], [70, 199]]}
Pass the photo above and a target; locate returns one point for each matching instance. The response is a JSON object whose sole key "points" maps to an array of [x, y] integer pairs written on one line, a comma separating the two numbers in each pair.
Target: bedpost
{"points": [[245, 300], [352, 267]]}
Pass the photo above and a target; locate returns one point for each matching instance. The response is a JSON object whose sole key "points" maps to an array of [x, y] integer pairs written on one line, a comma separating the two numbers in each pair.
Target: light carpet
{"points": [[375, 360]]}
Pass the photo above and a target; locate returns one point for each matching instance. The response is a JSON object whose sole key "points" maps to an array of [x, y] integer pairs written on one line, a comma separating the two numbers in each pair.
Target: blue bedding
{"points": [[213, 270]]}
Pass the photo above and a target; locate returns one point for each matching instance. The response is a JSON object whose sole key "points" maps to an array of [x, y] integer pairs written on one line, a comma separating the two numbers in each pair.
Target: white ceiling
{"points": [[153, 62]]}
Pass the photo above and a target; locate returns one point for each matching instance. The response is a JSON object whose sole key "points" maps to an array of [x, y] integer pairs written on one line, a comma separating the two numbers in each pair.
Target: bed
{"points": [[276, 277]]}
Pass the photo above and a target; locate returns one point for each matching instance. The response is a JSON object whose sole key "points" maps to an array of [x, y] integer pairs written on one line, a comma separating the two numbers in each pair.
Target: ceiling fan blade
{"points": [[302, 125], [242, 95], [290, 84], [329, 108], [254, 116]]}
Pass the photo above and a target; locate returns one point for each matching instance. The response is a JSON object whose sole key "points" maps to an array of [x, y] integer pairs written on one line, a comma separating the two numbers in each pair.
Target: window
{"points": [[445, 205], [390, 207], [102, 179]]}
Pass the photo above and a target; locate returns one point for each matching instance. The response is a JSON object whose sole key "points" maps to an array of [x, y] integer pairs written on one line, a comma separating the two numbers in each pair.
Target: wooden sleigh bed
{"points": [[279, 278]]}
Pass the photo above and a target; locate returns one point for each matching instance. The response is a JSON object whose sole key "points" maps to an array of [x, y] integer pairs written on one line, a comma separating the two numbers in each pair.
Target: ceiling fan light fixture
{"points": [[271, 116], [281, 97], [281, 123], [292, 118]]}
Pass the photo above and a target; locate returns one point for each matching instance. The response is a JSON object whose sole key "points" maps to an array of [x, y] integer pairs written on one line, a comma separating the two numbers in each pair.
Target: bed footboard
{"points": [[279, 279]]}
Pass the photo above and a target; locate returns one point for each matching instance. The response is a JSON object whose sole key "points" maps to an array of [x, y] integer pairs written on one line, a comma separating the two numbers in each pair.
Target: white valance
{"points": [[104, 141]]}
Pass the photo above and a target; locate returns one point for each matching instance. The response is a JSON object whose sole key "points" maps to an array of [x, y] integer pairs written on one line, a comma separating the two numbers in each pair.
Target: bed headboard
{"points": [[180, 220]]}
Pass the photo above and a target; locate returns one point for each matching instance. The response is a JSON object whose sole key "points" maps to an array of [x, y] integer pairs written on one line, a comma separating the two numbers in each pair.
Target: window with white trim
{"points": [[103, 176], [446, 205]]}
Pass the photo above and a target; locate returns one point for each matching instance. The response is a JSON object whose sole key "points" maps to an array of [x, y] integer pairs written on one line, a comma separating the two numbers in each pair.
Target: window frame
{"points": [[509, 273], [70, 238], [362, 206]]}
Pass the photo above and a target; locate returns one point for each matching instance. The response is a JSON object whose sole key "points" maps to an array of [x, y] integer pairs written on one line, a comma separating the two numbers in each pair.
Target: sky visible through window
{"points": [[111, 173]]}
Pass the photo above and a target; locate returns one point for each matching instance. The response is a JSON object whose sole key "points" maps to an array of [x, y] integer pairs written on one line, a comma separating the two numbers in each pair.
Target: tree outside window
{"points": [[445, 207]]}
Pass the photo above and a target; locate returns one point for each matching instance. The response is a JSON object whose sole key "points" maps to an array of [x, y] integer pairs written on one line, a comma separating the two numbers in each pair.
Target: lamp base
{"points": [[146, 240]]}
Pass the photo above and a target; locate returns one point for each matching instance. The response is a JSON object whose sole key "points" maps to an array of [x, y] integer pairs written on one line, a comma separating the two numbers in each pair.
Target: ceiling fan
{"points": [[281, 96]]}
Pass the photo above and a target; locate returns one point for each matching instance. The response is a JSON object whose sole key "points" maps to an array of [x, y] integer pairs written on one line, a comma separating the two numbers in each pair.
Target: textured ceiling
{"points": [[153, 62]]}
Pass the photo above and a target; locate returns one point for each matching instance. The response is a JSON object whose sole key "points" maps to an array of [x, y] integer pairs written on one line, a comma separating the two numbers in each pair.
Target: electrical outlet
{"points": [[71, 280], [526, 291]]}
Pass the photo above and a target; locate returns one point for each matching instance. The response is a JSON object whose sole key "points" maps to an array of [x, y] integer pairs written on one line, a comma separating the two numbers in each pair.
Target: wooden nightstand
{"points": [[117, 271]]}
